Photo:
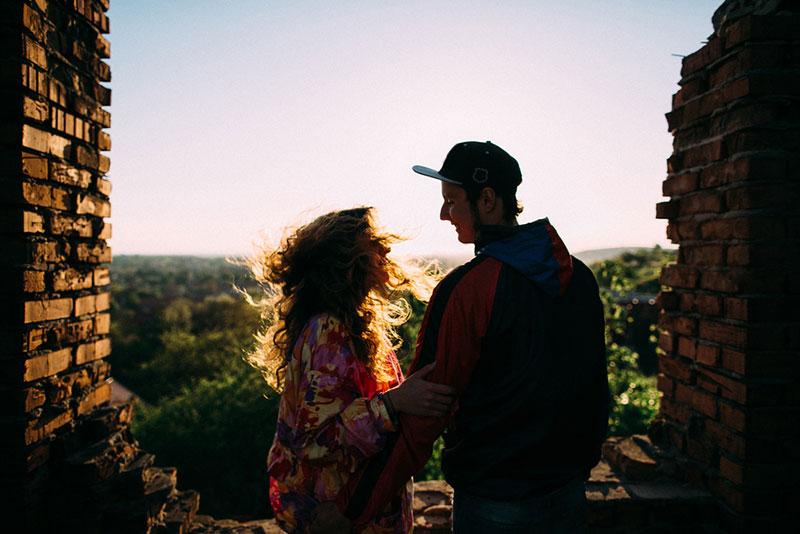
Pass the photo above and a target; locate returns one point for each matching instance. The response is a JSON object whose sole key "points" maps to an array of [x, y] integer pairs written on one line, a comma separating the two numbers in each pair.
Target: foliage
{"points": [[179, 333], [634, 393], [217, 433]]}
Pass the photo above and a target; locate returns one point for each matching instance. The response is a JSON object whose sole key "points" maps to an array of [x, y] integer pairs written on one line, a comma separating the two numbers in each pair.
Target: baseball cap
{"points": [[474, 165]]}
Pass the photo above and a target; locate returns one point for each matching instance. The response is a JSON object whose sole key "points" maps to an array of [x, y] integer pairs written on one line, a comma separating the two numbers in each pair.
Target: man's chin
{"points": [[467, 240]]}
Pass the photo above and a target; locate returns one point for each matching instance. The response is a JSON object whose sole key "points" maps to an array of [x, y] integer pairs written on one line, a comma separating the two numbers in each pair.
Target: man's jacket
{"points": [[519, 332]]}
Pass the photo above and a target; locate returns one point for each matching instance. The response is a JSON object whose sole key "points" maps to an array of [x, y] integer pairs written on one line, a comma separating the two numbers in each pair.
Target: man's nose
{"points": [[444, 213]]}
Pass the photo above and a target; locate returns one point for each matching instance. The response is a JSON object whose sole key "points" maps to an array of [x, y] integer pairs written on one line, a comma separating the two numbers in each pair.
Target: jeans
{"points": [[563, 510]]}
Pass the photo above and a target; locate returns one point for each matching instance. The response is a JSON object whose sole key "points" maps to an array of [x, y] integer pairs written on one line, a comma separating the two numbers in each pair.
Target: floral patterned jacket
{"points": [[330, 420]]}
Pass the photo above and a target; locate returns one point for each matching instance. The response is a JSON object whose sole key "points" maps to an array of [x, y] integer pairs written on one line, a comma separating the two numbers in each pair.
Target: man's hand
{"points": [[329, 520], [416, 396]]}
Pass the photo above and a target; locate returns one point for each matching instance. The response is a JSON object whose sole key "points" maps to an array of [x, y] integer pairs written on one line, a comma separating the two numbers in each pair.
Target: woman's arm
{"points": [[331, 412]]}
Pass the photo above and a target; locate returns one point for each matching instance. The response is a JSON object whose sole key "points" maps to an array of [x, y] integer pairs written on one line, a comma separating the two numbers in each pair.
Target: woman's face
{"points": [[380, 264]]}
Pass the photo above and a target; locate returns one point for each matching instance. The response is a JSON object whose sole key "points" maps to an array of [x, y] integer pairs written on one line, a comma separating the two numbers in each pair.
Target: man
{"points": [[519, 332]]}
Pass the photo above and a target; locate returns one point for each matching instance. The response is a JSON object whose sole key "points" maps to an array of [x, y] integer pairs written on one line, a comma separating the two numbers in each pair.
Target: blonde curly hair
{"points": [[337, 264]]}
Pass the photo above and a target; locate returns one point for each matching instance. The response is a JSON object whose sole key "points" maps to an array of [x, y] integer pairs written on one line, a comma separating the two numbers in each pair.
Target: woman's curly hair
{"points": [[336, 264]]}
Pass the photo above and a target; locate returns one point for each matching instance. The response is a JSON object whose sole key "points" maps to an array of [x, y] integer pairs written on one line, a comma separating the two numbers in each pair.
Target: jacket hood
{"points": [[534, 249]]}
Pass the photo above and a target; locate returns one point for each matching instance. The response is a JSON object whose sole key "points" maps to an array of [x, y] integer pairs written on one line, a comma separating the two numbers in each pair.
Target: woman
{"points": [[329, 352]]}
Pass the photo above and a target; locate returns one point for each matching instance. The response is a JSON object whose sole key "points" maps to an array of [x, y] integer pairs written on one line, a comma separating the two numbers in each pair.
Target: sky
{"points": [[234, 120]]}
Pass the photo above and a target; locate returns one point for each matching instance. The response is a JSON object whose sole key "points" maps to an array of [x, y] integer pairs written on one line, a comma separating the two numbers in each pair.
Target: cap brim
{"points": [[427, 171]]}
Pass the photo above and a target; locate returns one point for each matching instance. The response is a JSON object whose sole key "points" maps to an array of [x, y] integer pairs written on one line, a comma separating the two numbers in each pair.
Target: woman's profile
{"points": [[329, 352]]}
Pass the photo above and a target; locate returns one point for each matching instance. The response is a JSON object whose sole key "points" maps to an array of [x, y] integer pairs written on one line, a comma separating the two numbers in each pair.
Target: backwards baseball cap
{"points": [[474, 165]]}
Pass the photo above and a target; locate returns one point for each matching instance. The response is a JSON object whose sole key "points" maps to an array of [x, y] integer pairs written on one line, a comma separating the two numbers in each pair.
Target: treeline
{"points": [[180, 330]]}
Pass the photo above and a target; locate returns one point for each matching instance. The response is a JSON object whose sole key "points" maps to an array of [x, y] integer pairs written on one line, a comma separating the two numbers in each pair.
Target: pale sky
{"points": [[233, 119]]}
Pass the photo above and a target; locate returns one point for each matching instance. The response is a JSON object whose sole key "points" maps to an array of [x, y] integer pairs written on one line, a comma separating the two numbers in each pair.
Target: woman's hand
{"points": [[416, 396]]}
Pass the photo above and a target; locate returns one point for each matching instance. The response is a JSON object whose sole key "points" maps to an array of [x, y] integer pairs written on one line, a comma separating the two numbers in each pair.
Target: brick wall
{"points": [[730, 340], [55, 199]]}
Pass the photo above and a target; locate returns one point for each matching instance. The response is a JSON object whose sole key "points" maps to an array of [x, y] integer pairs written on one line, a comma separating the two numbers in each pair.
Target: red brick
{"points": [[683, 393], [34, 166], [667, 210], [760, 28], [708, 304], [703, 255], [666, 385], [718, 229], [708, 354], [41, 428], [98, 396], [105, 231], [733, 417], [102, 324], [97, 253], [92, 205], [708, 54], [103, 186], [42, 253], [71, 280], [680, 184], [702, 155], [734, 360], [762, 254], [675, 411], [92, 351], [46, 364], [679, 276], [683, 231], [726, 334], [101, 276], [729, 388], [686, 326], [736, 308], [47, 310], [731, 470], [70, 226], [687, 302], [32, 223], [33, 281], [666, 342], [699, 203], [728, 440], [103, 301], [704, 403], [675, 369], [85, 305], [722, 281], [690, 88], [759, 228], [687, 347], [67, 174], [760, 196]]}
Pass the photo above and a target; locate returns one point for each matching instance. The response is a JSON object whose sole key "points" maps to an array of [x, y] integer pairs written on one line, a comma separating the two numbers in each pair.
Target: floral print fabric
{"points": [[330, 420]]}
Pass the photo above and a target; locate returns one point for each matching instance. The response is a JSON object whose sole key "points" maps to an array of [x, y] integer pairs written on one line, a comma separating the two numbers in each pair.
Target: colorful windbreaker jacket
{"points": [[330, 421], [519, 332]]}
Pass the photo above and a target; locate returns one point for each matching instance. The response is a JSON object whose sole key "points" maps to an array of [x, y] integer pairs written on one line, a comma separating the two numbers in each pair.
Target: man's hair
{"points": [[511, 206]]}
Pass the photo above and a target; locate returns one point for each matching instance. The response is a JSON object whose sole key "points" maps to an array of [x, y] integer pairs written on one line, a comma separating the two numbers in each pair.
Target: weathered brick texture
{"points": [[729, 362]]}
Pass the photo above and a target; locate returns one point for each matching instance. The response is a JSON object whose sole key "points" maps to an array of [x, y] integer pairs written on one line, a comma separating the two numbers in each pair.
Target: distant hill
{"points": [[601, 254]]}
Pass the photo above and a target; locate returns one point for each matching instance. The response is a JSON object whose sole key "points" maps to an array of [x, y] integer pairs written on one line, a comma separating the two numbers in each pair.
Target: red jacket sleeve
{"points": [[452, 332]]}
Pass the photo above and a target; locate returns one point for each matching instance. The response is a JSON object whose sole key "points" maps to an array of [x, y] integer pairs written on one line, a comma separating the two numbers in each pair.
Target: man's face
{"points": [[456, 209]]}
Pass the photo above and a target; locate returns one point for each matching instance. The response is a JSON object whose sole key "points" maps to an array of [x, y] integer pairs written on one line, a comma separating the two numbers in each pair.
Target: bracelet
{"points": [[389, 409]]}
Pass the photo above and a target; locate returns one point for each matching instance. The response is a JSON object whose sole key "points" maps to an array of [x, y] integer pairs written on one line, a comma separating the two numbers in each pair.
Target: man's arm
{"points": [[452, 331]]}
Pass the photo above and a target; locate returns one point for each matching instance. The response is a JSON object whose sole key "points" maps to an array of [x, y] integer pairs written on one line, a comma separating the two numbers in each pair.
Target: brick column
{"points": [[730, 340], [55, 325]]}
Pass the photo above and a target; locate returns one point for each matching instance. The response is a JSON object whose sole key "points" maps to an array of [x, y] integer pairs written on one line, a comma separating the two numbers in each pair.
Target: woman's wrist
{"points": [[390, 409]]}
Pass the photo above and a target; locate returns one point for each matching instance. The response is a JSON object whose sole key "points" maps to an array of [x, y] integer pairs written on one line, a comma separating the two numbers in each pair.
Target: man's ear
{"points": [[487, 201]]}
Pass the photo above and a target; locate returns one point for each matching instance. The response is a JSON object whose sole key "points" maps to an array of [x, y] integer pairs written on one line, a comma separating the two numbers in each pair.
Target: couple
{"points": [[510, 361]]}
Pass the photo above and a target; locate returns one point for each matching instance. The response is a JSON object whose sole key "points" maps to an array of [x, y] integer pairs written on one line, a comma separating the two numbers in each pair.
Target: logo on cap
{"points": [[480, 175]]}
